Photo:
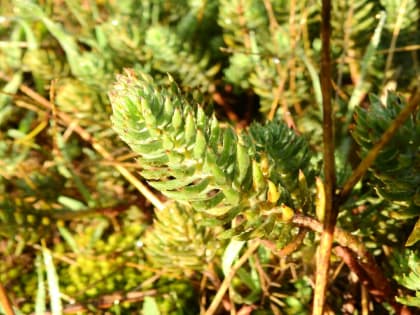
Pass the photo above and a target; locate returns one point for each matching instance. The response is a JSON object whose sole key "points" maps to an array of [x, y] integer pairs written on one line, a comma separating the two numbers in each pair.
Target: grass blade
{"points": [[53, 286]]}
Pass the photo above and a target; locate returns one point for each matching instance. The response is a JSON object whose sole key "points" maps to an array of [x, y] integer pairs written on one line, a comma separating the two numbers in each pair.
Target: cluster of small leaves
{"points": [[20, 218], [405, 14], [192, 158], [397, 168], [353, 24], [407, 273], [395, 171], [169, 52], [101, 264], [263, 49], [92, 262], [178, 243], [347, 29]]}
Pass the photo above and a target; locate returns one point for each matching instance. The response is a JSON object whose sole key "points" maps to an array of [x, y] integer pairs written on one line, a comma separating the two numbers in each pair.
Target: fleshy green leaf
{"points": [[193, 158]]}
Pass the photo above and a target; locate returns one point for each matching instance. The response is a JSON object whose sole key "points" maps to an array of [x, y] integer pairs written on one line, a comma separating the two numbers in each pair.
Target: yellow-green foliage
{"points": [[195, 159]]}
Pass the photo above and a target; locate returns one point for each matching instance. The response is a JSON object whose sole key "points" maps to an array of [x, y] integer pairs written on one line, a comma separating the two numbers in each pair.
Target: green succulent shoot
{"points": [[396, 169], [247, 180]]}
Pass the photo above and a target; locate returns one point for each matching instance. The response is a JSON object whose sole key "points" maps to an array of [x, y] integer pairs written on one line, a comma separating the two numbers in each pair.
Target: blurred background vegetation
{"points": [[76, 222]]}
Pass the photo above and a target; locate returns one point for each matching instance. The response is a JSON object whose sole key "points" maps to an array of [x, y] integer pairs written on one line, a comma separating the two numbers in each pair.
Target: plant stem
{"points": [[327, 236], [289, 248], [381, 285], [398, 23], [5, 302], [226, 282]]}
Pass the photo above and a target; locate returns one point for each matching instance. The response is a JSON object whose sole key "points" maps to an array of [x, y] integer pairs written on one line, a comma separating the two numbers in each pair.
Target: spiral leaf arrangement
{"points": [[406, 266], [397, 167], [178, 242], [251, 175], [165, 46]]}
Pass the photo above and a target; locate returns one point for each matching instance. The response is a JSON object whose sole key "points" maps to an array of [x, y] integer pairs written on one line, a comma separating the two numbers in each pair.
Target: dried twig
{"points": [[144, 190], [400, 18], [380, 284], [289, 248], [5, 302], [226, 282], [107, 301]]}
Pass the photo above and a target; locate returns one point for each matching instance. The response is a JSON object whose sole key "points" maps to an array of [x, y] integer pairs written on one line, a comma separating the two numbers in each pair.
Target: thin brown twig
{"points": [[203, 299], [347, 47], [273, 25], [228, 279], [144, 190], [281, 73], [244, 27], [107, 301], [364, 300], [400, 18], [289, 248], [399, 49], [271, 16], [378, 52], [264, 279], [367, 162], [365, 260], [5, 301], [294, 38], [348, 257], [359, 268], [327, 236]]}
